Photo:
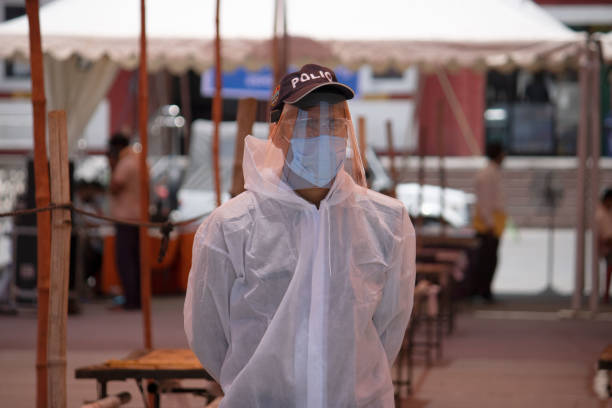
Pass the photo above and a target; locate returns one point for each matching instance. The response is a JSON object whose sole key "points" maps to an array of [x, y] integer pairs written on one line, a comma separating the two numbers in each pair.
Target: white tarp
{"points": [[78, 89], [434, 33], [474, 33], [180, 32], [381, 33]]}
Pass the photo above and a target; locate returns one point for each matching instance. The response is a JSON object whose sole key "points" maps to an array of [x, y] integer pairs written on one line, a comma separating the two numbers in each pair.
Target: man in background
{"points": [[489, 220], [603, 218], [125, 204]]}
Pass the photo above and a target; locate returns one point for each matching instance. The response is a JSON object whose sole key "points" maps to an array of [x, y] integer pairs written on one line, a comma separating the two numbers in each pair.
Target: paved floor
{"points": [[512, 354]]}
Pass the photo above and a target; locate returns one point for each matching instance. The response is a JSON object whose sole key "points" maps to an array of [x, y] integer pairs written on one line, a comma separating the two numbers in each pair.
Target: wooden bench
{"points": [[448, 241], [457, 261], [404, 361], [155, 365], [428, 327]]}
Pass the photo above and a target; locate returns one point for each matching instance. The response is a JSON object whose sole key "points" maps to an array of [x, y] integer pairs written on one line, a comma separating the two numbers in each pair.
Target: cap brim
{"points": [[337, 86]]}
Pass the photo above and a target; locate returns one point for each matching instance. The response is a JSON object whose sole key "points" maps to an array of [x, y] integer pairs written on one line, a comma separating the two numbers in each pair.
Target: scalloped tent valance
{"points": [[382, 33]]}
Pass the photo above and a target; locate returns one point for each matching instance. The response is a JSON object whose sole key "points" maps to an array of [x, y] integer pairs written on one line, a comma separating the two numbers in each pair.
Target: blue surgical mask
{"points": [[316, 159]]}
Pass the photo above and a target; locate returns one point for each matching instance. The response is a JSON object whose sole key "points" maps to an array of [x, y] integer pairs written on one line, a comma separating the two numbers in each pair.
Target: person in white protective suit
{"points": [[301, 287]]}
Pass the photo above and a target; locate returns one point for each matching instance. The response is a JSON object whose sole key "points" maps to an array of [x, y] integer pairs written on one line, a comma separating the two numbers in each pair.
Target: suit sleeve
{"points": [[393, 312], [206, 309]]}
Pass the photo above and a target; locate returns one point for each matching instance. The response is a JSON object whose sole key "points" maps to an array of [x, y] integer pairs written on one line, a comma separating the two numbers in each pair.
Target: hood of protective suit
{"points": [[290, 305]]}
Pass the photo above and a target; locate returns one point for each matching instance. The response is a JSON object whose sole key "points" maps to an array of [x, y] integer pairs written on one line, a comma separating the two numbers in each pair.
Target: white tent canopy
{"points": [[434, 33], [475, 33], [180, 33], [85, 41]]}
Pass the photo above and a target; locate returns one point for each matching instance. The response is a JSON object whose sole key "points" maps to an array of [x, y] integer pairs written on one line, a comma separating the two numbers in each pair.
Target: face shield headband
{"points": [[308, 147]]}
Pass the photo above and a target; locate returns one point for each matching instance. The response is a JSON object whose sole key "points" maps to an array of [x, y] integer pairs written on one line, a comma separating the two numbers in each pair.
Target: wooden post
{"points": [[280, 41], [441, 154], [583, 124], [43, 219], [143, 116], [362, 140], [186, 111], [217, 108], [245, 117], [391, 149], [60, 260], [421, 177], [595, 127]]}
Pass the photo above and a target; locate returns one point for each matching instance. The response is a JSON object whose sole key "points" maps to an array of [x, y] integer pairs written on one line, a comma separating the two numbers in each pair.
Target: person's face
{"points": [[608, 204], [313, 141]]}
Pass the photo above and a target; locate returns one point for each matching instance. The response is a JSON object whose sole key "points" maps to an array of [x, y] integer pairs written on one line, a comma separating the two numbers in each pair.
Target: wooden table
{"points": [[154, 365], [440, 273], [448, 241]]}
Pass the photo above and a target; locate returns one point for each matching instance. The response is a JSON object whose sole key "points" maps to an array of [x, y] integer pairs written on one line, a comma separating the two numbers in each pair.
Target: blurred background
{"points": [[425, 134]]}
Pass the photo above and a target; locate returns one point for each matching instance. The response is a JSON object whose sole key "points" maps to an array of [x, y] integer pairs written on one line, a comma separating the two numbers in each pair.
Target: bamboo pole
{"points": [[43, 219], [60, 260], [595, 127], [217, 108], [245, 117], [143, 110], [285, 46], [361, 126], [421, 178], [391, 148], [441, 159], [280, 41], [186, 110], [580, 185]]}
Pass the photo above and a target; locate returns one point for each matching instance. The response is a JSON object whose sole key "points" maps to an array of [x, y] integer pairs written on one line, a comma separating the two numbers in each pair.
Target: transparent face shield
{"points": [[309, 147]]}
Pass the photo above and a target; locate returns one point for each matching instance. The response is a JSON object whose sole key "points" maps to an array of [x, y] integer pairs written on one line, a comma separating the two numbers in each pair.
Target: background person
{"points": [[489, 219], [125, 204], [301, 287], [603, 218]]}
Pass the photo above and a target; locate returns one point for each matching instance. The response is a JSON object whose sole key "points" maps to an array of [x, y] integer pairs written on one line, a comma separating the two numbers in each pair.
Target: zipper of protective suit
{"points": [[318, 317]]}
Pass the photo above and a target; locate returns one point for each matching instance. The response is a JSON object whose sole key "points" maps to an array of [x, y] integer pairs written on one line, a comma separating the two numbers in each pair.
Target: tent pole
{"points": [[391, 149], [421, 179], [595, 127], [361, 129], [420, 134], [217, 107], [60, 260], [280, 46], [453, 102], [143, 111], [285, 44], [580, 183], [186, 109], [245, 117], [43, 219], [441, 160]]}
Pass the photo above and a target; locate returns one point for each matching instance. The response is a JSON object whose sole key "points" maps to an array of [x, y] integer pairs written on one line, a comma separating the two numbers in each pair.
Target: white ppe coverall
{"points": [[290, 305]]}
